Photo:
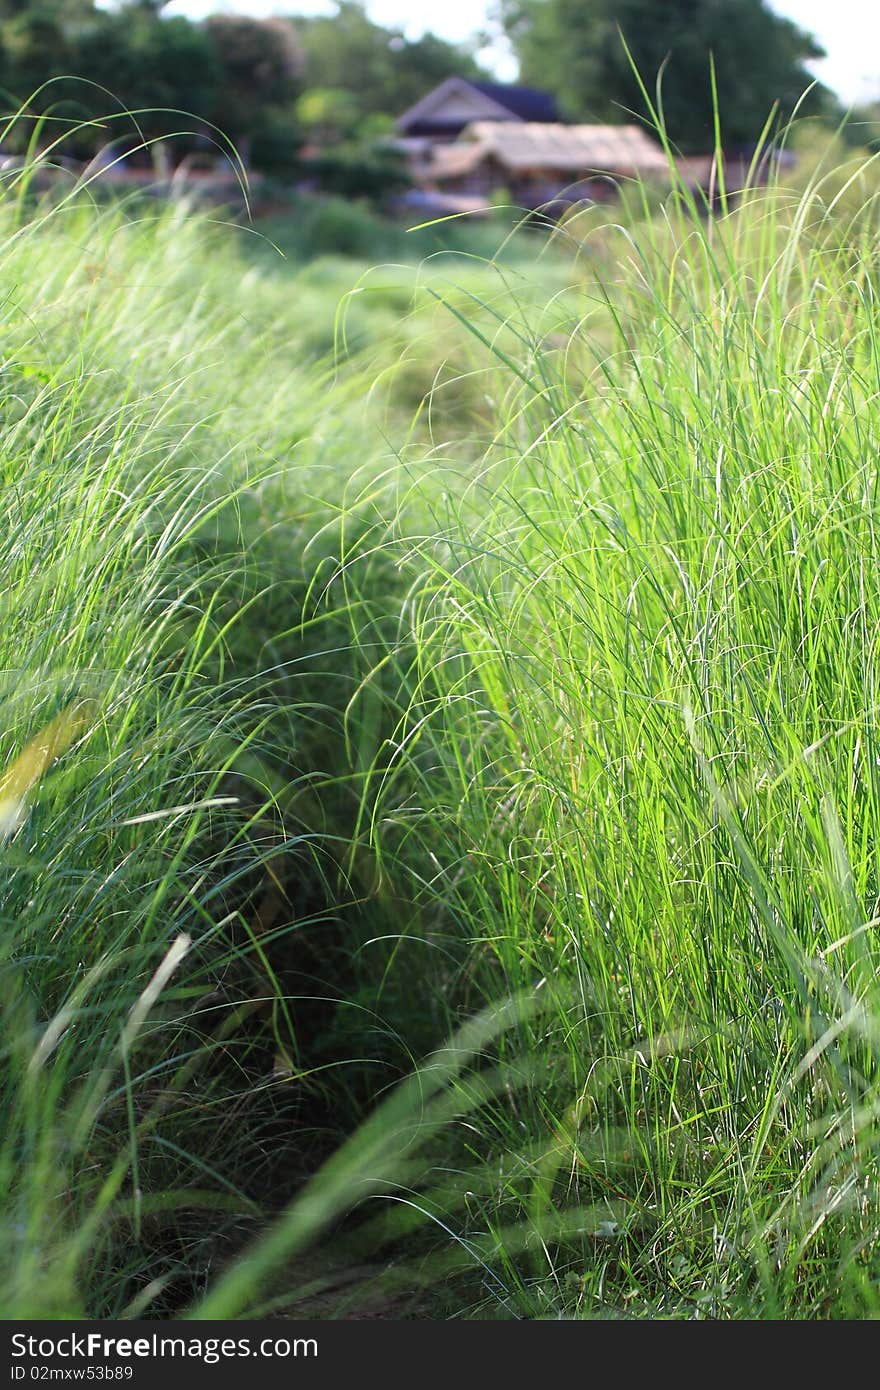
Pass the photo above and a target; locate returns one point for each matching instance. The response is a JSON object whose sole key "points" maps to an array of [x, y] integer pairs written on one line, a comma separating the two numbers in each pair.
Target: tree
{"points": [[352, 169], [574, 48], [61, 10], [244, 76], [261, 69], [35, 48], [166, 70], [81, 64], [328, 114], [385, 71]]}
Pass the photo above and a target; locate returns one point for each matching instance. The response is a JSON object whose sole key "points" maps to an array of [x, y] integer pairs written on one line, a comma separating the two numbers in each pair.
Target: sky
{"points": [[848, 30]]}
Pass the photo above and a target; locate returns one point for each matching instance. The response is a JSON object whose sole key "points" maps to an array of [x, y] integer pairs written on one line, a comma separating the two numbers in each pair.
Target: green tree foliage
{"points": [[261, 73], [241, 75], [166, 71], [267, 84], [328, 114], [386, 71], [62, 10], [358, 77], [574, 48], [35, 48], [353, 170], [77, 62]]}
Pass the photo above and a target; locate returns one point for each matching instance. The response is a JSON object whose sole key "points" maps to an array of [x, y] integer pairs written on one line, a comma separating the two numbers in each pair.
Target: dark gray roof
{"points": [[528, 103]]}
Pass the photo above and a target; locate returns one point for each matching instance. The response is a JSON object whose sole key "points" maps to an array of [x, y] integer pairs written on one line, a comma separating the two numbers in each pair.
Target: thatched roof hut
{"points": [[538, 163]]}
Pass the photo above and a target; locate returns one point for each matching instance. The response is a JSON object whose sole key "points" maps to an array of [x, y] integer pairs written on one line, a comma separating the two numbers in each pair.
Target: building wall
{"points": [[530, 188]]}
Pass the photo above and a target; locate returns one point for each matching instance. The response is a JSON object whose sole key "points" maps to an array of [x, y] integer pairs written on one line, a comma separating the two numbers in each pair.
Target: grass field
{"points": [[442, 785]]}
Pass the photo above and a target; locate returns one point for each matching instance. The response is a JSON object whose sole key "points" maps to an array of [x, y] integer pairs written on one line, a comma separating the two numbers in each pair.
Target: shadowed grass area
{"points": [[144, 1026]]}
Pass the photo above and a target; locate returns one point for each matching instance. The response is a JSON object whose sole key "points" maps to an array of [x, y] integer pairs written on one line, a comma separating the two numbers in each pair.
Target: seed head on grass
{"points": [[30, 767]]}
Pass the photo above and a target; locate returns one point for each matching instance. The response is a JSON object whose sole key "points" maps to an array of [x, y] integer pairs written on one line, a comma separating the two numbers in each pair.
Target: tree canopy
{"points": [[385, 71], [246, 76], [574, 48], [274, 86]]}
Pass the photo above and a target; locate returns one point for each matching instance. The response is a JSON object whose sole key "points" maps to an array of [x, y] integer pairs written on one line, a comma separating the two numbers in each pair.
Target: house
{"points": [[537, 164], [442, 115], [467, 141]]}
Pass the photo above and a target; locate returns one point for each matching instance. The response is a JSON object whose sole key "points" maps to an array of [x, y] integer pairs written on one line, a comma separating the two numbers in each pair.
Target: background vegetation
{"points": [[272, 86], [281, 89], [759, 58]]}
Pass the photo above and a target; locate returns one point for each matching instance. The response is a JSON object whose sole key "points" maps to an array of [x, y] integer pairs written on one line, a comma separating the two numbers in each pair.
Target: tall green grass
{"points": [[472, 663], [186, 1029], [144, 1028], [638, 768]]}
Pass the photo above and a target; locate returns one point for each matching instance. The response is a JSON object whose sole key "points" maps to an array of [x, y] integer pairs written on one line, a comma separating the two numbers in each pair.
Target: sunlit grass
{"points": [[639, 763]]}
